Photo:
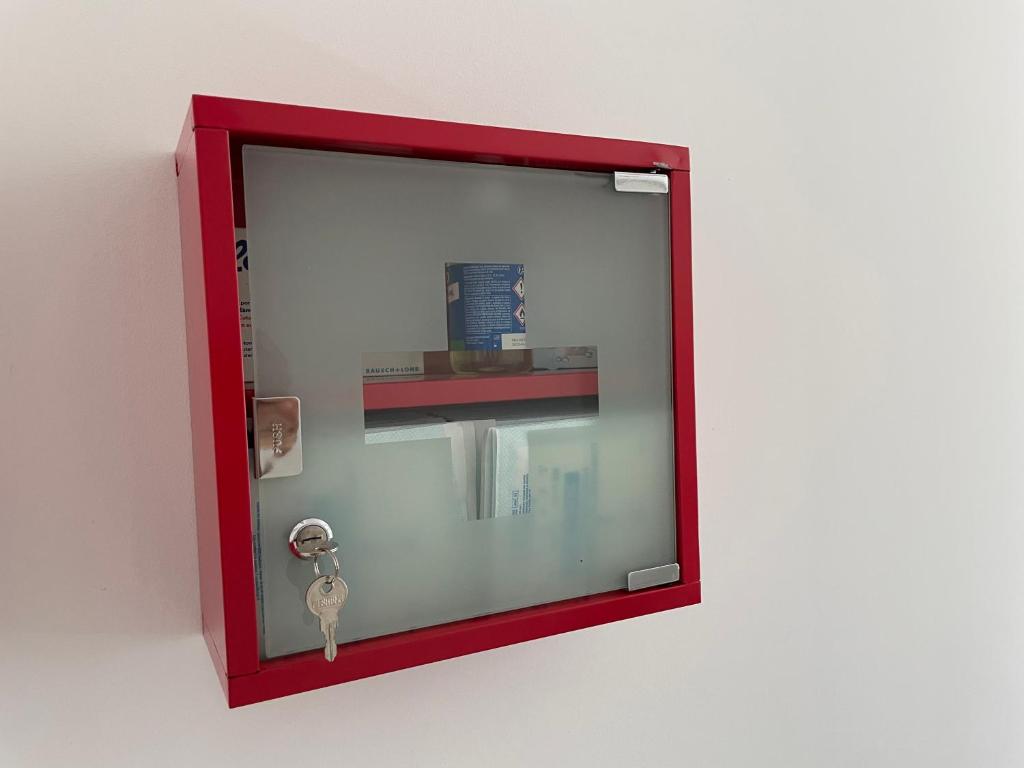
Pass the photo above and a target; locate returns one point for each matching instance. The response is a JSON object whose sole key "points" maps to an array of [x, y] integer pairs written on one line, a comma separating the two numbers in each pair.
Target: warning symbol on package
{"points": [[520, 314], [520, 291]]}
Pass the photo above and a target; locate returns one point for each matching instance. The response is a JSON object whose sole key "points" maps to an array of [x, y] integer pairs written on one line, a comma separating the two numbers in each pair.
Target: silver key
{"points": [[326, 605]]}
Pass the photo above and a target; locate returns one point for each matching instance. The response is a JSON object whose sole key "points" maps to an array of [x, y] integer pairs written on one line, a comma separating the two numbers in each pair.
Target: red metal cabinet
{"points": [[211, 205]]}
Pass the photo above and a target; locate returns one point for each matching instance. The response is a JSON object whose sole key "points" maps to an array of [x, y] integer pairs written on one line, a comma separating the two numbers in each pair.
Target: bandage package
{"points": [[532, 466], [526, 458], [463, 439]]}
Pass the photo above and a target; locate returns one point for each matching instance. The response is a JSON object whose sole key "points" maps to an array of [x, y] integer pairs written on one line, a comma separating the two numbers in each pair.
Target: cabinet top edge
{"points": [[251, 121]]}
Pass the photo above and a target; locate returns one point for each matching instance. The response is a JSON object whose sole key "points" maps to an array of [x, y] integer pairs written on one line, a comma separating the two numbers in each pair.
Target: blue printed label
{"points": [[244, 306], [486, 306]]}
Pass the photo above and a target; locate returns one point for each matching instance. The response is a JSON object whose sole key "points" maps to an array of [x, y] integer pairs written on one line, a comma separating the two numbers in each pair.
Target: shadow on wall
{"points": [[99, 363]]}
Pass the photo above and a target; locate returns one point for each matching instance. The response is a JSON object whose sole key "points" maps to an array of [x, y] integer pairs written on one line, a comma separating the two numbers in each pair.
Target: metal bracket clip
{"points": [[652, 577], [652, 183]]}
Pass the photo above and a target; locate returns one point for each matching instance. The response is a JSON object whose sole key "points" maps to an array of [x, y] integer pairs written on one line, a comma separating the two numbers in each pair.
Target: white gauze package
{"points": [[533, 466], [461, 434]]}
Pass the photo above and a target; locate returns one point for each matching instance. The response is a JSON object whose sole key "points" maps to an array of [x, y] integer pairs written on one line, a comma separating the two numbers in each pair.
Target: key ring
{"points": [[334, 559]]}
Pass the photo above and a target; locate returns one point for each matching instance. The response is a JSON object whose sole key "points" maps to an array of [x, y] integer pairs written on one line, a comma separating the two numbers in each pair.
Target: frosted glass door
{"points": [[430, 505]]}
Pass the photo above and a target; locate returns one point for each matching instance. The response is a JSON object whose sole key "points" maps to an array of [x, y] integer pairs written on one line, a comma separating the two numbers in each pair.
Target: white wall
{"points": [[858, 184]]}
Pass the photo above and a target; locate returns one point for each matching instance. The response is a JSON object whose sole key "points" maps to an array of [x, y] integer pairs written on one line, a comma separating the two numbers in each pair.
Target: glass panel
{"points": [[351, 257], [491, 422]]}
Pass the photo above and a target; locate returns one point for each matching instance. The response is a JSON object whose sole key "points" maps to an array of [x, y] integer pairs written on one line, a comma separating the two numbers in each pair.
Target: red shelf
{"points": [[414, 391]]}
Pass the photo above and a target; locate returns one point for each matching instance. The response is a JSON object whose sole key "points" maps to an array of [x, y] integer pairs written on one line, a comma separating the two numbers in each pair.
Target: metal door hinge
{"points": [[652, 183], [652, 577]]}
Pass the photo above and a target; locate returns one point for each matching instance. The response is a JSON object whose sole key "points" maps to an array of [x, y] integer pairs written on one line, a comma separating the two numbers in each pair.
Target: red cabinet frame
{"points": [[211, 204]]}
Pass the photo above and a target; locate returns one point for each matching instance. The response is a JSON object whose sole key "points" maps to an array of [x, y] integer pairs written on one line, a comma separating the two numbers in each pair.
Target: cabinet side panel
{"points": [[219, 451], [227, 401], [261, 122], [210, 583]]}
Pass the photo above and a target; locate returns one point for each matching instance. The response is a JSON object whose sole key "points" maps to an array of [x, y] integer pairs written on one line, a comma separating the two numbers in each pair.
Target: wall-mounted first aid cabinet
{"points": [[441, 385]]}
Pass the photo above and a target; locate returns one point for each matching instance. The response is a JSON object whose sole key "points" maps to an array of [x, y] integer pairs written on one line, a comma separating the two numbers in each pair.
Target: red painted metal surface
{"points": [[684, 407], [453, 390], [306, 671], [263, 122], [211, 587], [210, 205], [217, 398]]}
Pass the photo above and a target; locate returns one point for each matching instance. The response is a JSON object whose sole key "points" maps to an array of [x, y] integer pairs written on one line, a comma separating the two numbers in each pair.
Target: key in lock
{"points": [[326, 595], [310, 538]]}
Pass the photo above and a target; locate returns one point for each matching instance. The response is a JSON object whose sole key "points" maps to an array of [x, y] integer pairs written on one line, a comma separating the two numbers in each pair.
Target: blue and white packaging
{"points": [[244, 305], [486, 306], [548, 466]]}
